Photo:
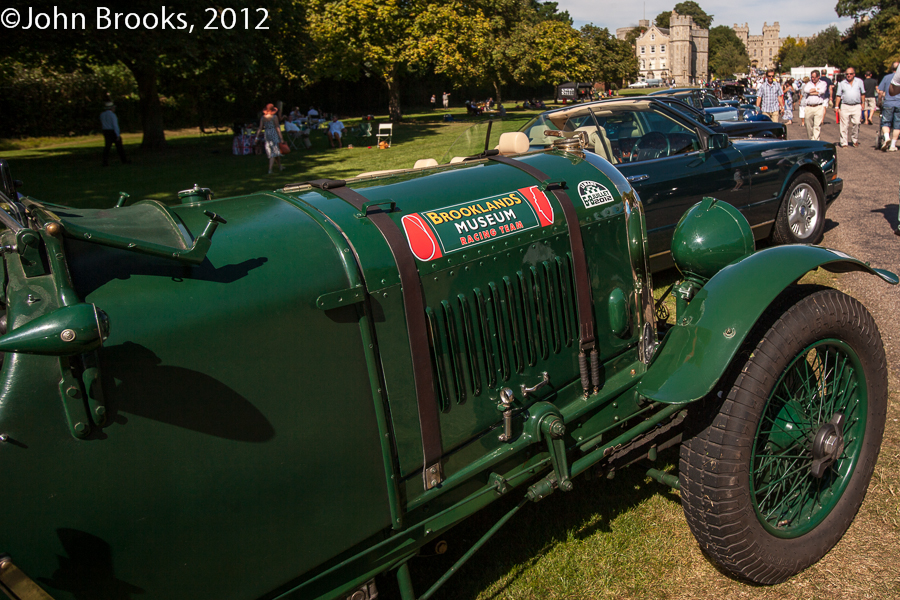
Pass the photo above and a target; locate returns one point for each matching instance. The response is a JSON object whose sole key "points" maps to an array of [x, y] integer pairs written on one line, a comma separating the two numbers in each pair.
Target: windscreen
{"points": [[619, 132]]}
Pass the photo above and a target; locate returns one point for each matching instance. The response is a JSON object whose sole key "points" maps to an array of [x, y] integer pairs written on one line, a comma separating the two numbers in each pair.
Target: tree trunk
{"points": [[498, 100], [151, 109], [393, 85]]}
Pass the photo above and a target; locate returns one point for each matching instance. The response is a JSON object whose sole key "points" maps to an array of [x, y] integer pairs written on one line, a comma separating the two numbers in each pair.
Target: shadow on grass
{"points": [[589, 509], [73, 175]]}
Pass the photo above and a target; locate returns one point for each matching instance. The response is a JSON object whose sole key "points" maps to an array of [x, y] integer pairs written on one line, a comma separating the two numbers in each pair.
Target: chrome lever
{"points": [[636, 178], [537, 386]]}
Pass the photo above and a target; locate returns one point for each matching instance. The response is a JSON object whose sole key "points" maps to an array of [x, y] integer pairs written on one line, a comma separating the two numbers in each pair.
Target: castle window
{"points": [[652, 49], [652, 36], [643, 49], [662, 64], [662, 48]]}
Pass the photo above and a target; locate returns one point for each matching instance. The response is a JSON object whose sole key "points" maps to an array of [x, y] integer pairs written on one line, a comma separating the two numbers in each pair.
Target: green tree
{"points": [[826, 48], [388, 39], [496, 35], [178, 58], [662, 19], [548, 52], [791, 54], [632, 36], [689, 8], [873, 39], [727, 54], [609, 59], [890, 44], [549, 11]]}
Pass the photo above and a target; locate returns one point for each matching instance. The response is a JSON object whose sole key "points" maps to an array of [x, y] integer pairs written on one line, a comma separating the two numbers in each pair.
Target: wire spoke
{"points": [[820, 382]]}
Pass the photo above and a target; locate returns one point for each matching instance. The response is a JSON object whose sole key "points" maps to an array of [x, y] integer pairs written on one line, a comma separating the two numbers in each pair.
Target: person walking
{"points": [[871, 87], [832, 89], [109, 123], [849, 97], [788, 103], [433, 102], [829, 95], [770, 97], [268, 126], [446, 99], [890, 109], [816, 94]]}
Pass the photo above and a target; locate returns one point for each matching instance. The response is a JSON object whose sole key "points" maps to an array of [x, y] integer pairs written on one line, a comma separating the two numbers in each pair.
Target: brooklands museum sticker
{"points": [[433, 234]]}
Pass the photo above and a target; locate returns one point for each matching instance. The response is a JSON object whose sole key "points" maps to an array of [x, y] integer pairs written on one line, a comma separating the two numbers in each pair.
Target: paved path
{"points": [[862, 222]]}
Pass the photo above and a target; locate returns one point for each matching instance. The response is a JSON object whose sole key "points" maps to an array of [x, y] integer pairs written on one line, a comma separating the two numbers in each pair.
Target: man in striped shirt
{"points": [[770, 98]]}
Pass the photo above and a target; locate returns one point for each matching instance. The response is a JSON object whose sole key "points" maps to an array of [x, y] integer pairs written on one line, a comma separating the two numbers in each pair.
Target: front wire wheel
{"points": [[772, 476]]}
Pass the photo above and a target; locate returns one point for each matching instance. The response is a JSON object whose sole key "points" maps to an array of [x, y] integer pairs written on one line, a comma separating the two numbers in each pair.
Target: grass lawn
{"points": [[68, 170]]}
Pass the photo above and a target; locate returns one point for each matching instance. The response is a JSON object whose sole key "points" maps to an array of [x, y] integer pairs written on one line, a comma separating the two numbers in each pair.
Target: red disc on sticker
{"points": [[422, 241]]}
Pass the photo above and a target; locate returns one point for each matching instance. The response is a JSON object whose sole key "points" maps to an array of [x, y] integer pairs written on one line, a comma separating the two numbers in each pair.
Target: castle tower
{"points": [[681, 59], [743, 33], [770, 45], [700, 53]]}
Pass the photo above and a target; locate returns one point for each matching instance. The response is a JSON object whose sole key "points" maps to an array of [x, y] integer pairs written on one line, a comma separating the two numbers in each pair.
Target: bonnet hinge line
{"points": [[416, 323]]}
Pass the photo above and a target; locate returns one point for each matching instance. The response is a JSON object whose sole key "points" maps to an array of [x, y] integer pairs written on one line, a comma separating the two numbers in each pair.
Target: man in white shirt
{"points": [[109, 124], [335, 131], [816, 94], [848, 99]]}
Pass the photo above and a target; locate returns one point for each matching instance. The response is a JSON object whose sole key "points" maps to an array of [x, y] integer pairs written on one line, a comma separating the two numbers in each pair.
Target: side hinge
{"points": [[341, 298]]}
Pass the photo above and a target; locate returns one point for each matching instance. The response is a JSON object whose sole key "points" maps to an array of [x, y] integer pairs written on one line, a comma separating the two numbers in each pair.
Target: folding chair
{"points": [[291, 135], [385, 130]]}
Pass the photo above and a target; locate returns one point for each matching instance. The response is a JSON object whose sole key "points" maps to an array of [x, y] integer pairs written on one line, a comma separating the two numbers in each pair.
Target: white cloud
{"points": [[794, 18]]}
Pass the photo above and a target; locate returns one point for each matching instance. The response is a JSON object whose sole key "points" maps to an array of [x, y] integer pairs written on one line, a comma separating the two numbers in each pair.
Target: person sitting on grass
{"points": [[336, 130]]}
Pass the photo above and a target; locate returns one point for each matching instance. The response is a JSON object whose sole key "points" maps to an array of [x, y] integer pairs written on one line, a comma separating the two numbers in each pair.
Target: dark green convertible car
{"points": [[782, 187]]}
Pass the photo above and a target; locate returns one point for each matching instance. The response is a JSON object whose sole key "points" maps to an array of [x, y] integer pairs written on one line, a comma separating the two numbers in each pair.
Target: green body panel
{"points": [[722, 313], [224, 443], [257, 410], [528, 332]]}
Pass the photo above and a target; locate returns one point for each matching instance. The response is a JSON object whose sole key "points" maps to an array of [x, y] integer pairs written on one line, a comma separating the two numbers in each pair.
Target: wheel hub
{"points": [[828, 445]]}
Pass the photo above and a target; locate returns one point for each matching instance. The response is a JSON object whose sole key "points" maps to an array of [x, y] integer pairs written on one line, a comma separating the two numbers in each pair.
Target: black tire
{"points": [[801, 216], [755, 444]]}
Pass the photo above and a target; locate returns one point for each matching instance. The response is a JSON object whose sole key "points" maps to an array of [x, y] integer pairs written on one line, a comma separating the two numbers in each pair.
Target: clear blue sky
{"points": [[795, 17]]}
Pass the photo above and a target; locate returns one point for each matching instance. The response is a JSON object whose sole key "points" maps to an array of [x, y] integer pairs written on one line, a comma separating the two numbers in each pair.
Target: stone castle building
{"points": [[763, 49], [680, 52]]}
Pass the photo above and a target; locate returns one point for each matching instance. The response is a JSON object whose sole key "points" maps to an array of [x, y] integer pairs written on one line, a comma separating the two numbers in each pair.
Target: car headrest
{"points": [[457, 159], [514, 142], [537, 134], [628, 130], [424, 163]]}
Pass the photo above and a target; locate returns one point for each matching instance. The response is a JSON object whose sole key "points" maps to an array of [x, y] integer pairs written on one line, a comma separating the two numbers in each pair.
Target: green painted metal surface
{"points": [[710, 236], [257, 407], [697, 350], [225, 439]]}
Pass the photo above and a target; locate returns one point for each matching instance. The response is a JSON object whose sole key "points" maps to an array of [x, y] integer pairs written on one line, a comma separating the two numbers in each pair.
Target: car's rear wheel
{"points": [[773, 474], [801, 216]]}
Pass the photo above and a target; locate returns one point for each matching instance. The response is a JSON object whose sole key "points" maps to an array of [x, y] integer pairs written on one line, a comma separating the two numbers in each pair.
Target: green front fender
{"points": [[695, 353]]}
